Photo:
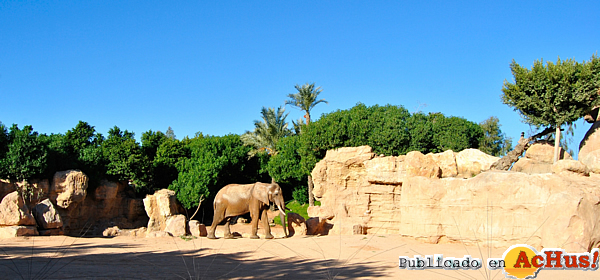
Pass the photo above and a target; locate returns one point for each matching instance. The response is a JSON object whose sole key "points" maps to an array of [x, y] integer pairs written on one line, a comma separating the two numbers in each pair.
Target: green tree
{"points": [[267, 132], [494, 141], [125, 160], [553, 94], [164, 165], [213, 163], [26, 155], [4, 141], [306, 99]]}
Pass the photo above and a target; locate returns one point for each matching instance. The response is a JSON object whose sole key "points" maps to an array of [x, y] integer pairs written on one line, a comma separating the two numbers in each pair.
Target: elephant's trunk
{"points": [[282, 218]]}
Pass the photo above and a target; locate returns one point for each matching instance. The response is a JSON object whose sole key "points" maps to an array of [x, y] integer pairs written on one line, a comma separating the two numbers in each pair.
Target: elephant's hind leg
{"points": [[217, 218]]}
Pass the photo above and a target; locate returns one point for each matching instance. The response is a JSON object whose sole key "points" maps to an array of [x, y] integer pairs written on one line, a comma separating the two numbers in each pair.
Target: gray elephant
{"points": [[234, 200]]}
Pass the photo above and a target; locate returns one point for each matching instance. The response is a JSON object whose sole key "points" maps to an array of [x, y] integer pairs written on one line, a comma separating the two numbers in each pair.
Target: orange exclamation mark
{"points": [[594, 265]]}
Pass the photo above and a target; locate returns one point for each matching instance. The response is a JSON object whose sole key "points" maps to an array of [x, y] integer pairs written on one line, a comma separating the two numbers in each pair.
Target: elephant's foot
{"points": [[254, 236], [269, 236], [229, 236], [211, 236]]}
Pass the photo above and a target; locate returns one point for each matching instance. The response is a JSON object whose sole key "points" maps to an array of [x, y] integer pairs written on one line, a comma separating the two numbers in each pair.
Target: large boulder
{"points": [[296, 224], [176, 225], [471, 162], [385, 170], [159, 207], [589, 148], [570, 167], [197, 229], [539, 158], [46, 215], [418, 164], [447, 163], [14, 212], [68, 188], [15, 231]]}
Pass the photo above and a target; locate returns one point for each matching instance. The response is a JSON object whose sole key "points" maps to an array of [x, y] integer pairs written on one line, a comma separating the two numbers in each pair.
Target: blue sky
{"points": [[210, 66]]}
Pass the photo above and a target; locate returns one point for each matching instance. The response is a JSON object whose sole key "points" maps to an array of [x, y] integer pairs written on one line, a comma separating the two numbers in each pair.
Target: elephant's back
{"points": [[234, 191]]}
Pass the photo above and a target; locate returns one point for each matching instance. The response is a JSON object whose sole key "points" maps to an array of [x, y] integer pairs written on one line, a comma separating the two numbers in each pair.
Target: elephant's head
{"points": [[268, 193]]}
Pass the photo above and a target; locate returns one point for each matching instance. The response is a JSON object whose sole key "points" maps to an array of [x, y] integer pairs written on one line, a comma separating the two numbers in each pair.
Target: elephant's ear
{"points": [[260, 192]]}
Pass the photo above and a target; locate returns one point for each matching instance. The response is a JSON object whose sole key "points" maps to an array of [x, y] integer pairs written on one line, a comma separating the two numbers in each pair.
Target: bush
{"points": [[300, 194]]}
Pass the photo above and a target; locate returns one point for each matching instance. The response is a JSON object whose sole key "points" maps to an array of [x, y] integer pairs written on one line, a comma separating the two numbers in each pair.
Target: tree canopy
{"points": [[553, 94]]}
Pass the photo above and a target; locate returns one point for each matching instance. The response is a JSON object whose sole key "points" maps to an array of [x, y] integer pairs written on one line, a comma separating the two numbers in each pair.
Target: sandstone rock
{"points": [[385, 170], [46, 215], [544, 152], [112, 231], [176, 225], [530, 166], [418, 164], [296, 224], [160, 206], [14, 212], [447, 163], [570, 166], [15, 231], [471, 162], [317, 226], [197, 229], [138, 232], [495, 208], [589, 149], [318, 211], [546, 210], [350, 155], [68, 187]]}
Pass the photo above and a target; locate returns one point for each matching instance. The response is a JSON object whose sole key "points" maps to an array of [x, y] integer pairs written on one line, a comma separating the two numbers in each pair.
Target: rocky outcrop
{"points": [[497, 208], [14, 212], [539, 158], [160, 206], [68, 188], [176, 225], [471, 162], [197, 229], [296, 224], [46, 215], [589, 148], [64, 206]]}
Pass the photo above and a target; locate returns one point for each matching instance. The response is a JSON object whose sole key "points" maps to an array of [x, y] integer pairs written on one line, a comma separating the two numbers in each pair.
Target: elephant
{"points": [[236, 199]]}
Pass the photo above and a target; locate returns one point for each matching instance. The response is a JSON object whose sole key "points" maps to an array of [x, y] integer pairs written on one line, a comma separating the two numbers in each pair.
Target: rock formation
{"points": [[162, 208], [372, 194], [539, 158], [64, 206]]}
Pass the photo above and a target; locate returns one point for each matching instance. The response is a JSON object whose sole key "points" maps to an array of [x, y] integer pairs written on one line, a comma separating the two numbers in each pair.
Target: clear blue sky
{"points": [[210, 66]]}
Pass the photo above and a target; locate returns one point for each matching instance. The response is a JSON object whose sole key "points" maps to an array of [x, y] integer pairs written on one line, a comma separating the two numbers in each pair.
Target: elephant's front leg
{"points": [[265, 219], [254, 216]]}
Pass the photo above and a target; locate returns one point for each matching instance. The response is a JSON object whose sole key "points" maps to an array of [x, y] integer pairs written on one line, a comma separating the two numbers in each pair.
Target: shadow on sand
{"points": [[76, 262]]}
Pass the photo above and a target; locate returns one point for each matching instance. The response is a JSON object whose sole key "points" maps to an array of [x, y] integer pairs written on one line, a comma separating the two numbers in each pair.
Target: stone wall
{"points": [[411, 196], [79, 211]]}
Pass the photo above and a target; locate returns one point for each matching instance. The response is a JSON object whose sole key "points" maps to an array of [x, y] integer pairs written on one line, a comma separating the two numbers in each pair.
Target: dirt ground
{"points": [[315, 257]]}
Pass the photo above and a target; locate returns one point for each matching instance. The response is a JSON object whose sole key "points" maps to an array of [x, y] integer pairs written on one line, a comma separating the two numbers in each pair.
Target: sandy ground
{"points": [[316, 257]]}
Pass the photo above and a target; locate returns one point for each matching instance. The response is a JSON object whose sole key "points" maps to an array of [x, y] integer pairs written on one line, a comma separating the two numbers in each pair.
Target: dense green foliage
{"points": [[389, 130], [494, 142], [202, 165], [214, 162], [25, 156], [555, 93]]}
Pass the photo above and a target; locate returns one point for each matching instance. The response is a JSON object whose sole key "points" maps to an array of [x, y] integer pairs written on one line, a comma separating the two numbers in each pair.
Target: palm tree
{"points": [[267, 132], [305, 100]]}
